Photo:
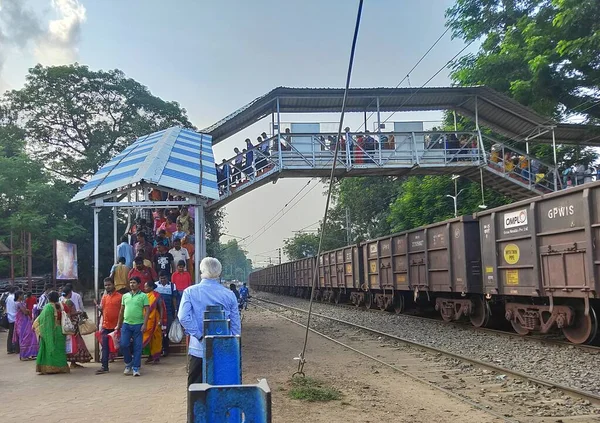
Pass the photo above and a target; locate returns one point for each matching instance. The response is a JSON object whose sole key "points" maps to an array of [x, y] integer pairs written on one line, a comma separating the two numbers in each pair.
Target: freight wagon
{"points": [[533, 263]]}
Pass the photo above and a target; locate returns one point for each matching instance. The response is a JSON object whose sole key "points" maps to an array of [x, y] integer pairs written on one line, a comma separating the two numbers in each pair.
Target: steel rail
{"points": [[540, 339], [391, 366], [573, 391]]}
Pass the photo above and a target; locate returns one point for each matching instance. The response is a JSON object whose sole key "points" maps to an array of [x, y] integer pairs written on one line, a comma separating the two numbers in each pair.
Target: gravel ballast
{"points": [[561, 364]]}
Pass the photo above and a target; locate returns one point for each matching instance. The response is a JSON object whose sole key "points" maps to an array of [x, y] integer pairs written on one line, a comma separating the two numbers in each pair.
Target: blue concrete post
{"points": [[222, 364], [217, 404], [216, 327], [214, 315]]}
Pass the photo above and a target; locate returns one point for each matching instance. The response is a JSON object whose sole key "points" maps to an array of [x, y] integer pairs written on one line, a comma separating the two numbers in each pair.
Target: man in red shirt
{"points": [[181, 278], [146, 274], [110, 307], [30, 301]]}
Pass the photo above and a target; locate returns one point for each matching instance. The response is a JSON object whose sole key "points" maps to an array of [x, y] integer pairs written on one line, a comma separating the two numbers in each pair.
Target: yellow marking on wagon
{"points": [[512, 277], [512, 253]]}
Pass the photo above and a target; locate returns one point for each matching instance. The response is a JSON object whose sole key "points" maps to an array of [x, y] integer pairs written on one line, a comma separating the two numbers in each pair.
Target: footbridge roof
{"points": [[494, 110]]}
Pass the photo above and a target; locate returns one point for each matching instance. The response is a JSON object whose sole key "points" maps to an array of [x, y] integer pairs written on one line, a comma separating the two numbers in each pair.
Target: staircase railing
{"points": [[519, 166]]}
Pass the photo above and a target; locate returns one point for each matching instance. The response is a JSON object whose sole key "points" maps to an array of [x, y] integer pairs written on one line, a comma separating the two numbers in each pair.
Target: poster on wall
{"points": [[66, 260]]}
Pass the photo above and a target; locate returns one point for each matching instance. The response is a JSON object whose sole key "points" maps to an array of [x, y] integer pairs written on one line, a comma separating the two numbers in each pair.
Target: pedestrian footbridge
{"points": [[508, 170], [500, 161]]}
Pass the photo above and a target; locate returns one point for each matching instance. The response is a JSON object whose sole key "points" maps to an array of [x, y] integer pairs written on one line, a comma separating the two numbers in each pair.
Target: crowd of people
{"points": [[133, 321], [359, 148], [531, 170], [44, 318]]}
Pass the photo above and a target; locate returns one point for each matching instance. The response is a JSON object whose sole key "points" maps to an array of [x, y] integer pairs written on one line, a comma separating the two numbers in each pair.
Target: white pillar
{"points": [[279, 136], [476, 115], [115, 234], [199, 240], [96, 275]]}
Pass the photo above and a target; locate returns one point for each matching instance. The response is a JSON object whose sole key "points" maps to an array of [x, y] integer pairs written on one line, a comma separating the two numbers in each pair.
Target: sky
{"points": [[215, 57]]}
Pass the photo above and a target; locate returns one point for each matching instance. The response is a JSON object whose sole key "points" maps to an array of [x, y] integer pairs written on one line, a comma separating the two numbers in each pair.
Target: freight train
{"points": [[533, 263]]}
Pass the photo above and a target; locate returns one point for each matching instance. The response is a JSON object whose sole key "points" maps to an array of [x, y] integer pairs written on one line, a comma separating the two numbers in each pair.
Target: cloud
{"points": [[58, 45], [18, 26], [54, 43]]}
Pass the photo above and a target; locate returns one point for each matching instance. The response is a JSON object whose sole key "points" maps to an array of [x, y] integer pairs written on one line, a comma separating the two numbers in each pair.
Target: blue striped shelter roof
{"points": [[174, 158]]}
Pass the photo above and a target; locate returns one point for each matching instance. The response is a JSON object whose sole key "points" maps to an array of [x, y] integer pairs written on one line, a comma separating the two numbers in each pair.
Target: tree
{"points": [[543, 53], [423, 201], [75, 119], [33, 201], [235, 263], [367, 200], [302, 245]]}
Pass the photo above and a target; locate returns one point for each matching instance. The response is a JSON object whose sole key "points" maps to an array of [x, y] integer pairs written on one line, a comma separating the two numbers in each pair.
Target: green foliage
{"points": [[33, 201], [235, 263], [72, 120], [543, 53], [302, 245], [312, 390], [423, 201], [76, 119], [367, 200]]}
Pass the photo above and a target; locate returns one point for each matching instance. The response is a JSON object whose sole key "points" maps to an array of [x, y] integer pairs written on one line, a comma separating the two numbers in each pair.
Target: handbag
{"points": [[36, 326], [176, 332], [68, 328], [86, 326], [4, 321]]}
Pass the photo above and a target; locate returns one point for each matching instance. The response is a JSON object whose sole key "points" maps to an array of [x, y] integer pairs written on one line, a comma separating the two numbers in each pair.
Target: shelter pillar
{"points": [[115, 234], [199, 240], [279, 135], [96, 274]]}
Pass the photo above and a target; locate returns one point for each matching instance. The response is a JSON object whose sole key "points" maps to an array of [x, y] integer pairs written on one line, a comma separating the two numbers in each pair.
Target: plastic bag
{"points": [[114, 339], [176, 332], [68, 328]]}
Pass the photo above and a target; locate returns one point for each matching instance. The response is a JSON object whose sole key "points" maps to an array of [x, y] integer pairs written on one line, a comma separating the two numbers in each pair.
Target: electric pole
{"points": [[348, 230], [279, 249]]}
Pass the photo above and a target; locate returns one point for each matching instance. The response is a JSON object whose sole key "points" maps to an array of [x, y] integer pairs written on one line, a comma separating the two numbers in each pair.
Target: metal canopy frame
{"points": [[495, 110], [115, 201]]}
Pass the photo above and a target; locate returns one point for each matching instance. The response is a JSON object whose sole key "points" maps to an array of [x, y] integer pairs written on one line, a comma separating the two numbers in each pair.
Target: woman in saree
{"points": [[23, 334], [77, 351], [51, 356], [157, 323]]}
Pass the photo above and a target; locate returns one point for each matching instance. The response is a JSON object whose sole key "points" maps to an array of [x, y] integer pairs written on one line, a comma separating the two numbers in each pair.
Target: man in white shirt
{"points": [[76, 298], [179, 253], [11, 313]]}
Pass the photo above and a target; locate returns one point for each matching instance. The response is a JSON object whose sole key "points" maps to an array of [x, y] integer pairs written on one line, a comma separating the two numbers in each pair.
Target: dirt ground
{"points": [[371, 393]]}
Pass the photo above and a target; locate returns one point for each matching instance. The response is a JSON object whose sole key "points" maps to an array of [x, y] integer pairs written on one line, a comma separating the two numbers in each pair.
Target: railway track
{"points": [[541, 339], [506, 394]]}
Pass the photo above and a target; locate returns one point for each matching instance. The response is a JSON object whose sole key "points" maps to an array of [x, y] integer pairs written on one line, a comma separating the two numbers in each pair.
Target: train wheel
{"points": [[368, 300], [399, 304], [446, 317], [318, 295], [333, 295], [584, 328], [518, 328], [480, 312]]}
